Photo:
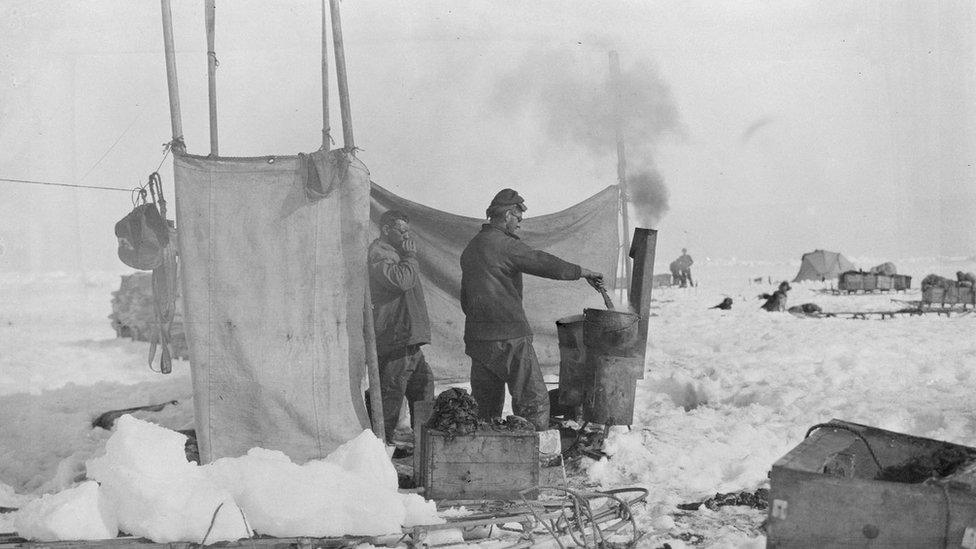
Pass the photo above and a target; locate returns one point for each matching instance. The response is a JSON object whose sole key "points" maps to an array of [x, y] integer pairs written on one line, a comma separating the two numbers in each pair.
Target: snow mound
{"points": [[77, 513], [156, 493]]}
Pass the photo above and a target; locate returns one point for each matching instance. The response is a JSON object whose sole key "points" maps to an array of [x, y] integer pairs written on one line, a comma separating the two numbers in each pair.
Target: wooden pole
{"points": [[210, 8], [349, 144], [340, 59], [372, 367], [326, 126], [621, 160], [174, 88]]}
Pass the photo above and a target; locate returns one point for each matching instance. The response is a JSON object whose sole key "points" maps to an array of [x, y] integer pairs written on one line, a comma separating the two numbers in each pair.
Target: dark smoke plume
{"points": [[649, 197], [575, 105]]}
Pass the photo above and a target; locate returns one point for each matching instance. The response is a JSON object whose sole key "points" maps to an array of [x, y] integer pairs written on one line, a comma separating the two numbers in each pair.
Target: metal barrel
{"points": [[574, 377], [616, 362]]}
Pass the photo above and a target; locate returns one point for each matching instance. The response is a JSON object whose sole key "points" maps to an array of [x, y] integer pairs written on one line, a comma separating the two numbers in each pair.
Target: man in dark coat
{"points": [[497, 335], [684, 263], [400, 318]]}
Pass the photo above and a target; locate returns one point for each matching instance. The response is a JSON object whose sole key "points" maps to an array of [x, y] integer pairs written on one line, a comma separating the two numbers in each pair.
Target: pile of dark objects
{"points": [[757, 500], [938, 465], [936, 281], [456, 413]]}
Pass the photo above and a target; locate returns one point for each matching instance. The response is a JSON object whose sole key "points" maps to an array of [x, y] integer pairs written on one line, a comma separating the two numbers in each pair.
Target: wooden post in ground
{"points": [[175, 117], [210, 15], [621, 161], [326, 126], [349, 144]]}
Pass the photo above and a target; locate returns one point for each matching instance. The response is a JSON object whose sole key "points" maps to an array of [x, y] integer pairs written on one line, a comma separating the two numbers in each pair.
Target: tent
{"points": [[821, 265]]}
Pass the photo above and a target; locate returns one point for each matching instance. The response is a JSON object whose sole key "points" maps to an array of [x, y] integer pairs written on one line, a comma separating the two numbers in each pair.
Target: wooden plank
{"points": [[480, 480], [142, 543], [487, 447]]}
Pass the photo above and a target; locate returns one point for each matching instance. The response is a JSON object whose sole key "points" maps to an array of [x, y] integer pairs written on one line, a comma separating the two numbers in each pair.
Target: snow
{"points": [[726, 393]]}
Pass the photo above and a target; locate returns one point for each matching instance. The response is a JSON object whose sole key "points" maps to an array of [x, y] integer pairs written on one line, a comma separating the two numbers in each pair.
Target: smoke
{"points": [[649, 196], [574, 103]]}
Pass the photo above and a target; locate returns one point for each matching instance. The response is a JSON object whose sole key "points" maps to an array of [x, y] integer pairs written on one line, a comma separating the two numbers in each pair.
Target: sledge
{"points": [[571, 518], [825, 492]]}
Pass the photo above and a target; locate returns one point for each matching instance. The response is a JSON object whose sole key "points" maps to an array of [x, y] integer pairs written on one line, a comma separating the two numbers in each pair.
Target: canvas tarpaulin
{"points": [[273, 286], [585, 234]]}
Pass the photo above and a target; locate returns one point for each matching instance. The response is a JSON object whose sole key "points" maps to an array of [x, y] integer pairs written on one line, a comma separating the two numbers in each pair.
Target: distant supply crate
{"points": [[484, 465], [901, 282], [885, 282], [823, 493], [850, 282], [866, 282], [951, 296]]}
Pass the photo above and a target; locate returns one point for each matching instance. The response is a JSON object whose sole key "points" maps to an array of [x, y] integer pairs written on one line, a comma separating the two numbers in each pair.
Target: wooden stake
{"points": [[174, 89], [621, 160], [209, 13], [349, 144], [326, 126], [372, 367], [340, 58]]}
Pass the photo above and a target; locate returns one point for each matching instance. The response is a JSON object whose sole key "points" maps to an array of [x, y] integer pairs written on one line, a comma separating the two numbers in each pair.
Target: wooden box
{"points": [[850, 282], [484, 465], [885, 282], [823, 494], [902, 282], [869, 282]]}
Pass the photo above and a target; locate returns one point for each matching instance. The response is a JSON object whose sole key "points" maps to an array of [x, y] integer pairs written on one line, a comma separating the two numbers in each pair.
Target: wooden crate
{"points": [[869, 282], [484, 465], [885, 282], [850, 282], [902, 282], [823, 494]]}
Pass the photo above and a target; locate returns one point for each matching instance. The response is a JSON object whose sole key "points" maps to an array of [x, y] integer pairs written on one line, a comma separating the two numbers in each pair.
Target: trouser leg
{"points": [[487, 386], [394, 373], [530, 399], [420, 386]]}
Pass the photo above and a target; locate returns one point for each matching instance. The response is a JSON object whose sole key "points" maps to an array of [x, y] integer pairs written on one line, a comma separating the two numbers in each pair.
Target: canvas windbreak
{"points": [[273, 281], [585, 234]]}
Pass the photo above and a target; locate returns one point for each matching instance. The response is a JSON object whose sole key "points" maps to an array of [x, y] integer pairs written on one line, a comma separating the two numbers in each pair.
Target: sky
{"points": [[752, 130]]}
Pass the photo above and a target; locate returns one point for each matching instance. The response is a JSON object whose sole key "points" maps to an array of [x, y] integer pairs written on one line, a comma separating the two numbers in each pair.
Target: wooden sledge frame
{"points": [[616, 513]]}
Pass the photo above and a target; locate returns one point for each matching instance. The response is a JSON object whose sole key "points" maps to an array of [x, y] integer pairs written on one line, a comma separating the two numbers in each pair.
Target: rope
{"points": [[849, 430], [213, 519], [32, 182]]}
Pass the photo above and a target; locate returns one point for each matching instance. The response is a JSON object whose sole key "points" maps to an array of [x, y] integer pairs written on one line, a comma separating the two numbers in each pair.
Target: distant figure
{"points": [[684, 263], [777, 301], [676, 277], [725, 305], [966, 279]]}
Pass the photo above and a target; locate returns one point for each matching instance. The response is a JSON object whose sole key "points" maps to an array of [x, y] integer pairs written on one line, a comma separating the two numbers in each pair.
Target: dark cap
{"points": [[508, 197]]}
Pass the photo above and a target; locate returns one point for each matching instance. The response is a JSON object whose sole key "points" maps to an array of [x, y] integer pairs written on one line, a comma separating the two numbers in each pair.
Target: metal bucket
{"points": [[614, 357], [611, 332], [574, 377]]}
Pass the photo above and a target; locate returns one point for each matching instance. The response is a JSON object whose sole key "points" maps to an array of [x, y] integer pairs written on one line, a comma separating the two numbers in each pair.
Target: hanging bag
{"points": [[143, 233]]}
